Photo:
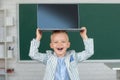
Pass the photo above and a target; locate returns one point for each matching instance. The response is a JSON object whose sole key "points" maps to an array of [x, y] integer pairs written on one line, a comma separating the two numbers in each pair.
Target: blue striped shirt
{"points": [[69, 63]]}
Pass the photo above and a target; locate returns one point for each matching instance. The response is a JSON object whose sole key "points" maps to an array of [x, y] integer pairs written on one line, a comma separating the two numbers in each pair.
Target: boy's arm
{"points": [[38, 34], [33, 53], [89, 46], [88, 52]]}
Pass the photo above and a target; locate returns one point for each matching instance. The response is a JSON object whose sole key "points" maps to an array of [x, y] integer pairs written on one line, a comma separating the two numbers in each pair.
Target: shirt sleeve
{"points": [[88, 52], [34, 54]]}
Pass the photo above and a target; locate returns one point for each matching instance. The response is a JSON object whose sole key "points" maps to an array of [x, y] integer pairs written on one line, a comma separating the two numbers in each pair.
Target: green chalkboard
{"points": [[101, 20]]}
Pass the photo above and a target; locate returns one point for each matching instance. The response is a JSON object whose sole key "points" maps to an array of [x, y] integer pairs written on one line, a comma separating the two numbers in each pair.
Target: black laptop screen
{"points": [[57, 16]]}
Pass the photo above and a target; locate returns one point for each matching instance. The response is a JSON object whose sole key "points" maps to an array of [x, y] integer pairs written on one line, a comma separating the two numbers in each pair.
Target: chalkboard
{"points": [[101, 20]]}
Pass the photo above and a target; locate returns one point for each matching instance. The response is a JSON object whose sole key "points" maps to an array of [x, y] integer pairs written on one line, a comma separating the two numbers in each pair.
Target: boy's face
{"points": [[60, 43]]}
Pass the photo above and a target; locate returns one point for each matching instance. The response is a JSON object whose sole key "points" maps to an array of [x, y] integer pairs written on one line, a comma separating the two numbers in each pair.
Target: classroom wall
{"points": [[34, 70]]}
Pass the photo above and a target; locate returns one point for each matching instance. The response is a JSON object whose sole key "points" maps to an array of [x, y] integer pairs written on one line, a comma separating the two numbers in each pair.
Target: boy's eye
{"points": [[55, 42], [63, 41]]}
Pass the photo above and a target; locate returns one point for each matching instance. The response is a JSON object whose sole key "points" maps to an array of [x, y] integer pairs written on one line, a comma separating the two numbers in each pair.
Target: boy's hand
{"points": [[83, 33], [38, 34]]}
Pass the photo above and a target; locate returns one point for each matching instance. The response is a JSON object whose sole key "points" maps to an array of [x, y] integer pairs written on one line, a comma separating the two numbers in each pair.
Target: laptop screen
{"points": [[57, 16]]}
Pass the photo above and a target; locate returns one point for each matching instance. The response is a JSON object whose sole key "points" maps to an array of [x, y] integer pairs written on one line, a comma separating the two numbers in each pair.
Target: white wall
{"points": [[35, 71]]}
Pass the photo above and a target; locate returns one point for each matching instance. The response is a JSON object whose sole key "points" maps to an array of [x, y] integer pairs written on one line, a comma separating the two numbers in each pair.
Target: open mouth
{"points": [[59, 49]]}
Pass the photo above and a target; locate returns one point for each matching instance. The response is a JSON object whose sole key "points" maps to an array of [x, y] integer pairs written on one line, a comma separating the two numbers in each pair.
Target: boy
{"points": [[60, 63]]}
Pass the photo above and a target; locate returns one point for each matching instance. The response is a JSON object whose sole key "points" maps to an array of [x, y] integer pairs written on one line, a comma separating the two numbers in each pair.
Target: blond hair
{"points": [[59, 31]]}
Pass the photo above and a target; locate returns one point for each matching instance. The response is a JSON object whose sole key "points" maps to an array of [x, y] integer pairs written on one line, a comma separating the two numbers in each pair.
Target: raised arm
{"points": [[33, 53], [89, 46], [38, 34], [83, 33]]}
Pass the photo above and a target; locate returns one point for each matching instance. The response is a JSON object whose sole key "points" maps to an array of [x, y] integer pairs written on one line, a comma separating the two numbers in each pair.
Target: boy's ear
{"points": [[51, 46], [68, 44]]}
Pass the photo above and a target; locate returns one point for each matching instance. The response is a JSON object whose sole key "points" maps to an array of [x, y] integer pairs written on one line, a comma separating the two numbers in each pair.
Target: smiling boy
{"points": [[60, 63]]}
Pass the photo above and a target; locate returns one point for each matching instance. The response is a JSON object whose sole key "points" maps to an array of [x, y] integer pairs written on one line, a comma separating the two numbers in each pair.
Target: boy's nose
{"points": [[59, 43]]}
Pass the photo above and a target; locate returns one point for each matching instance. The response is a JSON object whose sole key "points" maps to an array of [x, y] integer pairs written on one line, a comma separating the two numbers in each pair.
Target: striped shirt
{"points": [[72, 59]]}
